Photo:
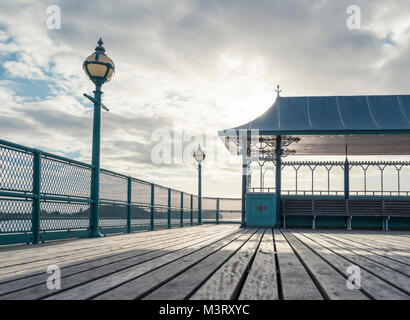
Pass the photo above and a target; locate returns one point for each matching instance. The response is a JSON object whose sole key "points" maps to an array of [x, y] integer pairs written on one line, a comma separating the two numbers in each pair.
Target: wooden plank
{"points": [[102, 284], [386, 238], [73, 243], [139, 287], [119, 241], [119, 267], [40, 278], [40, 252], [349, 245], [261, 282], [224, 282], [389, 255], [371, 284], [296, 282], [389, 275], [68, 259], [186, 283], [377, 241], [114, 245], [333, 284], [91, 257]]}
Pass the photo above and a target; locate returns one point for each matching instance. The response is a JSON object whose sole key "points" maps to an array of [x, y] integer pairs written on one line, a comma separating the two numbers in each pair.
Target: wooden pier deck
{"points": [[213, 262]]}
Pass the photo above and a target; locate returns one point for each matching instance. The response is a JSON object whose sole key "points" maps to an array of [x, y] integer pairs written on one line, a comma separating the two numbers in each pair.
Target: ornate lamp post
{"points": [[199, 156], [100, 69]]}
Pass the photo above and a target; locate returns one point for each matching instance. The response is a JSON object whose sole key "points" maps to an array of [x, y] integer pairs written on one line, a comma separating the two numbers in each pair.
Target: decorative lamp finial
{"points": [[100, 47], [278, 91]]}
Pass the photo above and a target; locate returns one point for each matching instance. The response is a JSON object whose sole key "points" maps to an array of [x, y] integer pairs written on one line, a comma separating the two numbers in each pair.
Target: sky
{"points": [[186, 69]]}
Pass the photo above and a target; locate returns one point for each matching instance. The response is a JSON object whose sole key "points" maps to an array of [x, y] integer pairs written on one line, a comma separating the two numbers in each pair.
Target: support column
{"points": [[95, 174], [152, 208], [192, 210], [35, 223], [244, 187], [169, 209], [181, 213], [346, 174], [278, 153], [199, 194], [129, 201], [217, 211], [346, 190], [244, 137]]}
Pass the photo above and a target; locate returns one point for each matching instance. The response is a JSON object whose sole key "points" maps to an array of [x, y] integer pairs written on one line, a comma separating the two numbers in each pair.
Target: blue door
{"points": [[260, 210]]}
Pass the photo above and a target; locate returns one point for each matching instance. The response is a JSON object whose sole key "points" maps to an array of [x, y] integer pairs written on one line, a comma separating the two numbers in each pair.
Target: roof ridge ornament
{"points": [[278, 91]]}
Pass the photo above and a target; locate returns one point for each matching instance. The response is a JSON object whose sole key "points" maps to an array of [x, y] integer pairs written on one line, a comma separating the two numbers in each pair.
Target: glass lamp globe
{"points": [[199, 154], [98, 66]]}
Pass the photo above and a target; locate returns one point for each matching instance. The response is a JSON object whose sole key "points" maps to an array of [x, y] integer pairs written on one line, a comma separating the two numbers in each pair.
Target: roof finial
{"points": [[278, 91]]}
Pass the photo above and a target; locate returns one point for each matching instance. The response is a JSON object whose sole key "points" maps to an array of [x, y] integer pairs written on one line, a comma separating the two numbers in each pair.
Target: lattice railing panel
{"points": [[63, 178], [140, 192], [175, 199], [15, 215], [140, 214], [195, 216], [230, 204], [209, 203], [160, 196], [187, 200], [16, 170], [160, 216], [187, 216], [63, 215], [113, 187], [113, 215], [175, 216], [195, 202]]}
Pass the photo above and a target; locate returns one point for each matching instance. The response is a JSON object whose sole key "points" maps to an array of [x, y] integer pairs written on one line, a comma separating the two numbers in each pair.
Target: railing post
{"points": [[192, 210], [35, 222], [244, 142], [278, 153], [169, 209], [346, 174], [199, 195], [129, 201], [181, 215], [152, 207], [217, 211]]}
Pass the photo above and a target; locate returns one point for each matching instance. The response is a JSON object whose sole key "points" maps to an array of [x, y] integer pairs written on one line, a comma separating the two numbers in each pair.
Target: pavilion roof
{"points": [[325, 125]]}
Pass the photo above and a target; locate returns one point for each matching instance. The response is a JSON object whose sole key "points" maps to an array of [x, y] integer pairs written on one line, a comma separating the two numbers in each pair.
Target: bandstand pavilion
{"points": [[318, 126]]}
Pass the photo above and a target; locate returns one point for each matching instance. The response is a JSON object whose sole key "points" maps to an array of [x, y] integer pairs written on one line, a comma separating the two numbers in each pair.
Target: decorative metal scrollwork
{"points": [[262, 145]]}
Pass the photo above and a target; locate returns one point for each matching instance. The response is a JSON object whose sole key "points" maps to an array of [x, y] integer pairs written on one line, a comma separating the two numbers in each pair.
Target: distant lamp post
{"points": [[199, 156], [100, 69]]}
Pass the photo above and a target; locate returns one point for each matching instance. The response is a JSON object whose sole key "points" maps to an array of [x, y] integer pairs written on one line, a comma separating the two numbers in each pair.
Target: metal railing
{"points": [[396, 172], [45, 197], [332, 192]]}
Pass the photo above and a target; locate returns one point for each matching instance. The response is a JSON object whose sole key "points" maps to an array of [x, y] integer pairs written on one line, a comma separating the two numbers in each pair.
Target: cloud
{"points": [[199, 66]]}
